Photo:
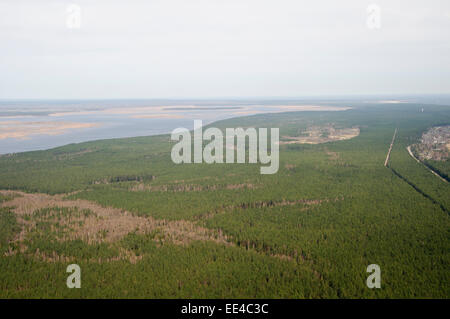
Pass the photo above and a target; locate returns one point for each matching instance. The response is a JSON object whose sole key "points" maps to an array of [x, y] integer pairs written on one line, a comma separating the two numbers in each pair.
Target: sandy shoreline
{"points": [[173, 111], [23, 130]]}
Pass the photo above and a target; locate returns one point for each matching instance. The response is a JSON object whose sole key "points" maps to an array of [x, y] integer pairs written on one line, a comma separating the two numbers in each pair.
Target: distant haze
{"points": [[222, 48]]}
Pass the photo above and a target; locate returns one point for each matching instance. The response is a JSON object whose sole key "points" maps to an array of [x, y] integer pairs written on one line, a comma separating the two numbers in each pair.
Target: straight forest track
{"points": [[386, 162], [419, 161]]}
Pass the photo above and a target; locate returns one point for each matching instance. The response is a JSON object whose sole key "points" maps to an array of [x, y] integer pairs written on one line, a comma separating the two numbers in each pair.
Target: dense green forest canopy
{"points": [[225, 230]]}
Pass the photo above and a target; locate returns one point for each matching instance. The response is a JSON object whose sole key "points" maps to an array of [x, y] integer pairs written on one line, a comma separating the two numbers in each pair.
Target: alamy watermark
{"points": [[374, 279], [373, 21], [73, 19], [213, 152], [74, 279]]}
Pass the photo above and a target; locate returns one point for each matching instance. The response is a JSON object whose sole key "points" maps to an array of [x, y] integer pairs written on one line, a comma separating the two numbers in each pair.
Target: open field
{"points": [[321, 134], [140, 226]]}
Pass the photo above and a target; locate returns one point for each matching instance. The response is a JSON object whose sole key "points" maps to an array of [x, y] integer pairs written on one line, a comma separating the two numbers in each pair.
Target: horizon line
{"points": [[226, 97]]}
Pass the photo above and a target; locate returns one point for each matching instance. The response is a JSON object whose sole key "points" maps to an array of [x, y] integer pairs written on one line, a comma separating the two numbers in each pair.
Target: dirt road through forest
{"points": [[386, 162]]}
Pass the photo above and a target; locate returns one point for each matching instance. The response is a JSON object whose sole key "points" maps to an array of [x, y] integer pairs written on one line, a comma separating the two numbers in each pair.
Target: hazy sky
{"points": [[222, 48]]}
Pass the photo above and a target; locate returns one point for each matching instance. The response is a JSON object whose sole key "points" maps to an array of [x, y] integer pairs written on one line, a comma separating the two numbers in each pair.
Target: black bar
{"points": [[230, 308]]}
